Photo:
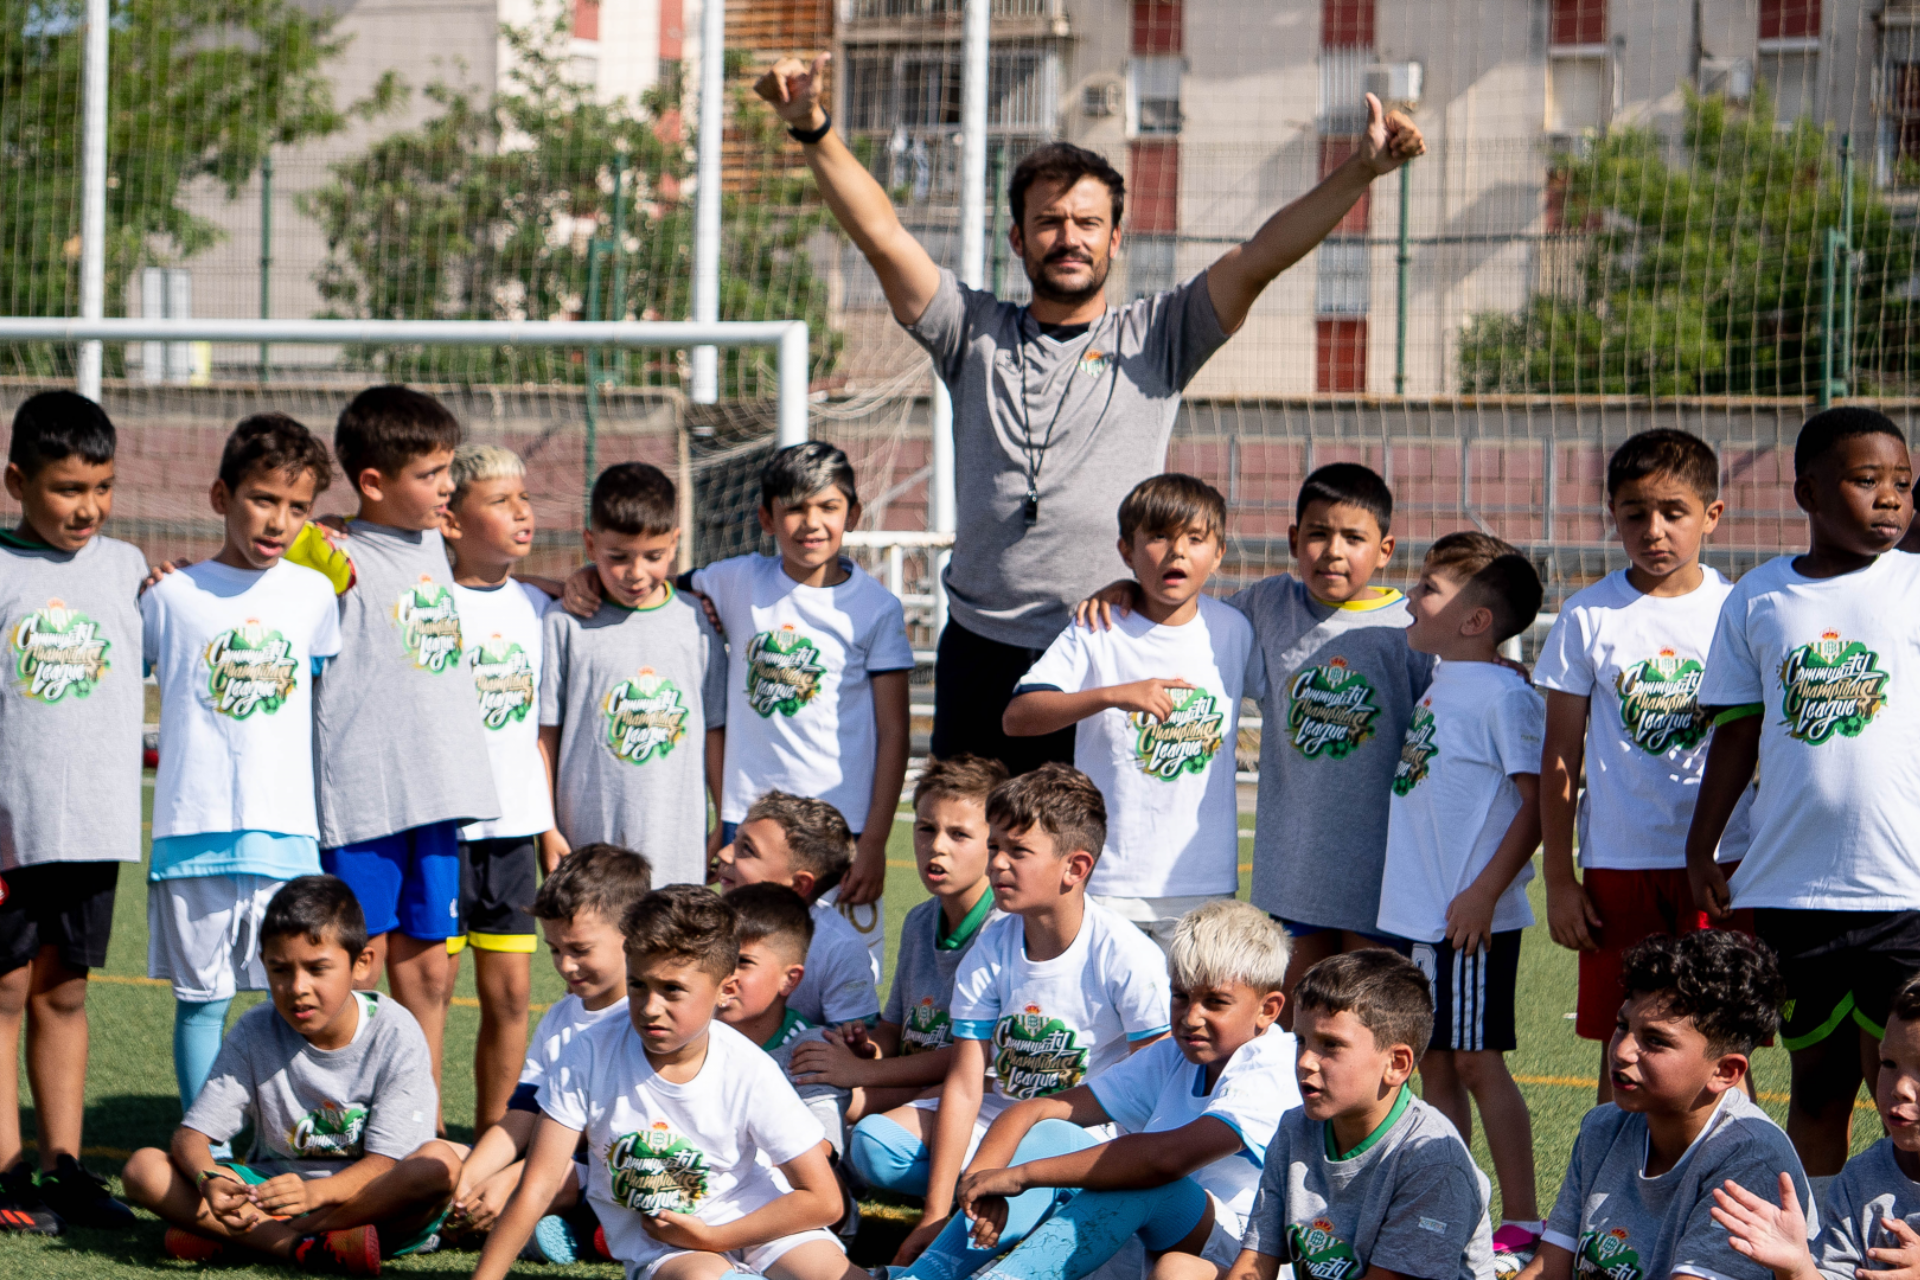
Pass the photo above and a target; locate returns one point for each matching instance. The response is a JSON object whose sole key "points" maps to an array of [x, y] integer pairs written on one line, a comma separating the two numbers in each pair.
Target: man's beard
{"points": [[1046, 290]]}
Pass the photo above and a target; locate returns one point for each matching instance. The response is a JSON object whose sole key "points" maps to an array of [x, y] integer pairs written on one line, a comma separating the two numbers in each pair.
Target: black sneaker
{"points": [[21, 1208], [849, 1224], [81, 1198]]}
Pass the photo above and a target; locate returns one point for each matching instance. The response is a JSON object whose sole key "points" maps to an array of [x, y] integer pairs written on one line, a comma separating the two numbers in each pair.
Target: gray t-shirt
{"points": [[71, 710], [634, 692], [923, 973], [316, 1111], [1095, 410], [395, 715], [1341, 687], [1622, 1225], [1872, 1188], [1409, 1199]]}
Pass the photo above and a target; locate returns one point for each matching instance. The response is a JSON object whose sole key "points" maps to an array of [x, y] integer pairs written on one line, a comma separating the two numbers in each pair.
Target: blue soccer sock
{"points": [[887, 1157], [197, 1031], [952, 1255], [1083, 1233]]}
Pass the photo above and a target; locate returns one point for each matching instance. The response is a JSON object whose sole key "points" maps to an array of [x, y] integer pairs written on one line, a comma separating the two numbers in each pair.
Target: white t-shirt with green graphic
{"points": [[1053, 1024], [799, 688], [1172, 824], [232, 650], [1836, 663], [1638, 659], [500, 645], [1454, 797], [694, 1148]]}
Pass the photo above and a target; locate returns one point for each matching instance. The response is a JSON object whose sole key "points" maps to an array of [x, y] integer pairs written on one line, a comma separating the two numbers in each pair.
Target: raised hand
{"points": [[1775, 1236], [1391, 139], [794, 90]]}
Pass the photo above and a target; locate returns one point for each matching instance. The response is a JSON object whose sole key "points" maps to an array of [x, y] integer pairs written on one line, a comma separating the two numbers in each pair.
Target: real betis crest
{"points": [[1034, 1055], [1318, 1253], [429, 625], [503, 678], [657, 1171], [928, 1028], [1831, 686], [1185, 742], [332, 1131], [1330, 710], [1660, 704], [58, 651], [1604, 1254], [250, 668], [646, 717], [783, 671], [1417, 750]]}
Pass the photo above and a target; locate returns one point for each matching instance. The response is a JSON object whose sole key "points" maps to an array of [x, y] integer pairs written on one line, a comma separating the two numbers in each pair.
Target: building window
{"points": [[1150, 264], [1157, 26], [1789, 19], [586, 19], [1578, 93], [1344, 286], [919, 91], [1340, 356], [1333, 154], [1153, 187], [1792, 80], [1153, 90], [1346, 24], [1579, 22]]}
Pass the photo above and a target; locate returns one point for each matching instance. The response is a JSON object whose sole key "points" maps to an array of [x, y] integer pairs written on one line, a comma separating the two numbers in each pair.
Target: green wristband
{"points": [[1740, 712]]}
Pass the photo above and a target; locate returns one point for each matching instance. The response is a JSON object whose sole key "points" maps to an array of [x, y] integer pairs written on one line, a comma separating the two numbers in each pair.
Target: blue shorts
{"points": [[408, 881]]}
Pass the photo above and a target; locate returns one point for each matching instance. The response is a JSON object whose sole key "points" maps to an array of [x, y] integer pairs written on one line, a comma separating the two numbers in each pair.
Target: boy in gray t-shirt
{"points": [[1638, 1202], [337, 1086], [1363, 1174], [633, 701]]}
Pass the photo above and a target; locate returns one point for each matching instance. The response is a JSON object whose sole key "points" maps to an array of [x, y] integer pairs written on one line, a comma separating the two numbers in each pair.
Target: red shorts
{"points": [[1633, 905]]}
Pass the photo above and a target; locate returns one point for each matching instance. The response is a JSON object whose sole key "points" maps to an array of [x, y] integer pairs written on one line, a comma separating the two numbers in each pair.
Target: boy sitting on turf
{"points": [[1808, 653], [804, 843], [402, 756], [1053, 994], [234, 643], [1157, 697], [579, 907], [1197, 1109], [774, 930], [70, 715], [686, 1122], [633, 700], [1464, 822], [1869, 1211], [489, 526], [1621, 670], [1364, 1179], [338, 1090], [1636, 1201], [911, 1047]]}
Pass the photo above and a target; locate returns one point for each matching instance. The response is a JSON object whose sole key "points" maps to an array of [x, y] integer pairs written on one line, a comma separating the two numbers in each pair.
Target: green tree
{"points": [[496, 210], [1702, 275], [197, 89]]}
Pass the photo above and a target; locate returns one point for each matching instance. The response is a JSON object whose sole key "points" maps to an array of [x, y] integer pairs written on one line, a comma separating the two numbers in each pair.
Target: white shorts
{"points": [[870, 922], [1157, 917], [203, 934], [756, 1259], [992, 1103], [1223, 1245]]}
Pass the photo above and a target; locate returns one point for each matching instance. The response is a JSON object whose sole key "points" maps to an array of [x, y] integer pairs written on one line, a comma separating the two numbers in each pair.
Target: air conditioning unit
{"points": [[1396, 84], [1102, 99], [1730, 77]]}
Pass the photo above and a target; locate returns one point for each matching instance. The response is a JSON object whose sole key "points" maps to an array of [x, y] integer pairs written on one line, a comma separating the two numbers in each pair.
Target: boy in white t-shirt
{"points": [[489, 526], [803, 843], [580, 907], [817, 670], [235, 642], [1196, 1111], [1463, 822], [1159, 693], [1621, 672], [1050, 996], [686, 1123], [1810, 654]]}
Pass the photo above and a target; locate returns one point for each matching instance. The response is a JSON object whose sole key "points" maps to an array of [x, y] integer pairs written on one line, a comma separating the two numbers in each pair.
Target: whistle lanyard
{"points": [[1036, 455]]}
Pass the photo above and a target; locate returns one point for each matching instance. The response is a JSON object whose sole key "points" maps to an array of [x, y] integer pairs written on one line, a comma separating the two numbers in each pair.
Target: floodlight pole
{"points": [[1403, 262], [266, 253], [93, 196], [706, 205]]}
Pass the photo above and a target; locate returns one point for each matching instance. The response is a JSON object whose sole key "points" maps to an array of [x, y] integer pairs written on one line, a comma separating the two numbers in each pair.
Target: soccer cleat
{"points": [[352, 1252], [186, 1246], [553, 1241], [600, 1249], [81, 1198], [1513, 1248], [21, 1208]]}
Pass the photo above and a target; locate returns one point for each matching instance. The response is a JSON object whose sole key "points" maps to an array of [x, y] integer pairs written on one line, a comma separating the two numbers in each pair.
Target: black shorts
{"points": [[973, 682], [1839, 966], [498, 880], [1472, 995], [64, 905]]}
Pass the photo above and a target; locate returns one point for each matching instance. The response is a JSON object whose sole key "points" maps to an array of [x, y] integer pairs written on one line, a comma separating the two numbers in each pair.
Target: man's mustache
{"points": [[1069, 255]]}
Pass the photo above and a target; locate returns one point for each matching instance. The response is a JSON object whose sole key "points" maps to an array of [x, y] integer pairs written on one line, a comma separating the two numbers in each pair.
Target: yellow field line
{"points": [[1576, 1082], [129, 980]]}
